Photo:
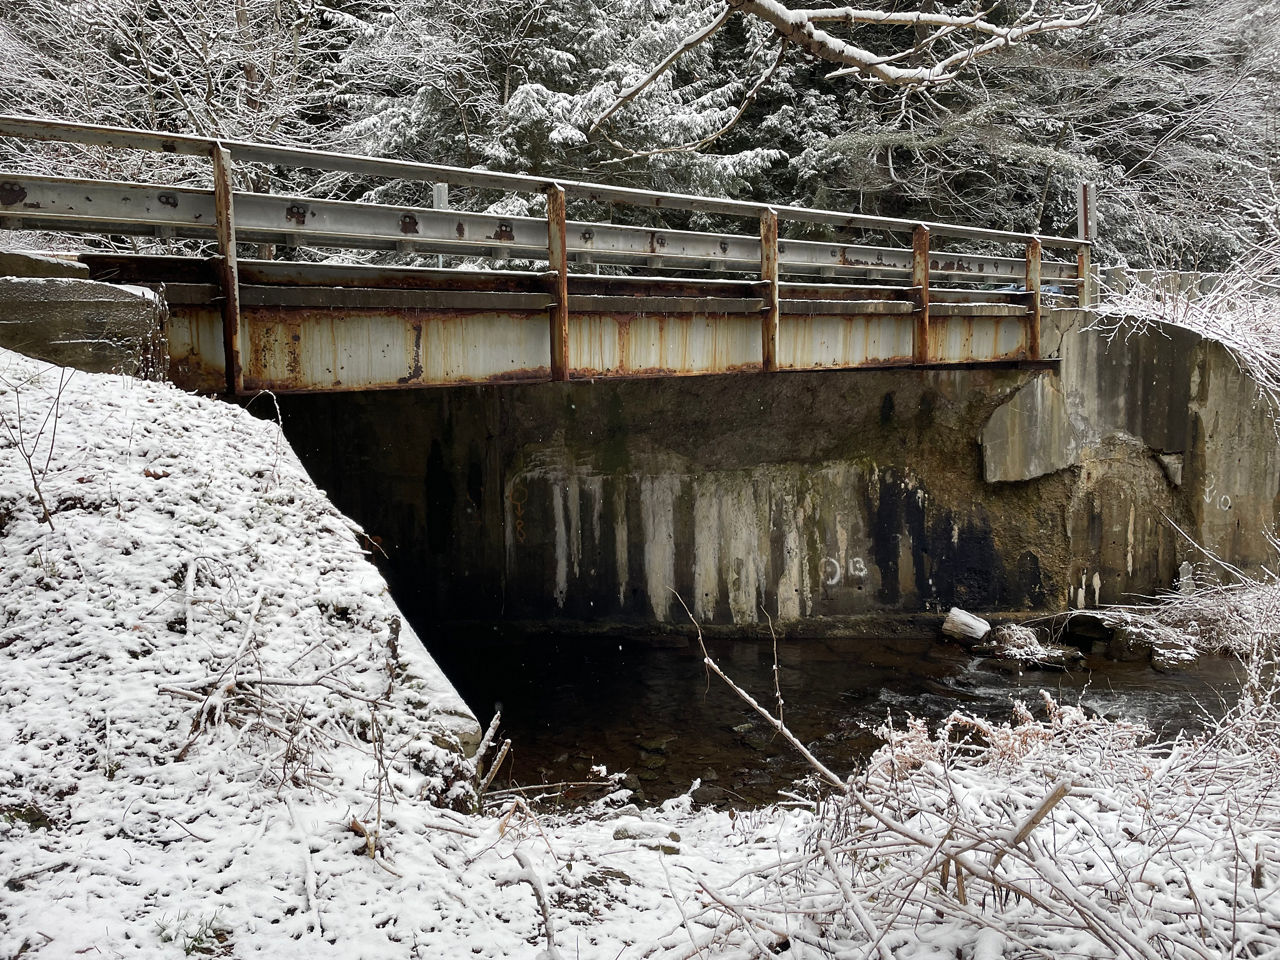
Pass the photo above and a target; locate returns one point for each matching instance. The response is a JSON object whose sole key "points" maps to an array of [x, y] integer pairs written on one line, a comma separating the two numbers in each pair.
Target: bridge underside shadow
{"points": [[797, 497]]}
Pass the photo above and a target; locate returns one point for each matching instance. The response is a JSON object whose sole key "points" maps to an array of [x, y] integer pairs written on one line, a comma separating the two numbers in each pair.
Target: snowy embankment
{"points": [[214, 741]]}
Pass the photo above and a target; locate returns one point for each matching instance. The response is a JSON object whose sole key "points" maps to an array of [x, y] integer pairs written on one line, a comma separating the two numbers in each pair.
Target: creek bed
{"points": [[655, 712]]}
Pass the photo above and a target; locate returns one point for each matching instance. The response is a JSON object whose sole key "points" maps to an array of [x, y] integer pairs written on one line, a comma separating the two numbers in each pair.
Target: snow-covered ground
{"points": [[218, 739]]}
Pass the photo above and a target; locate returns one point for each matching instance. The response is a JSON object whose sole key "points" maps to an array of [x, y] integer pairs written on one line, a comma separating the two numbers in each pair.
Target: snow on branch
{"points": [[976, 35], [935, 47]]}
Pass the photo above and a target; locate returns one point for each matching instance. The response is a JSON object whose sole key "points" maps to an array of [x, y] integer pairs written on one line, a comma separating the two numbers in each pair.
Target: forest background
{"points": [[1171, 107]]}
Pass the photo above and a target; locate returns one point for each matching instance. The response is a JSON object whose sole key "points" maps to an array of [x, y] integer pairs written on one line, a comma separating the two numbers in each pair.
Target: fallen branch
{"points": [[540, 894]]}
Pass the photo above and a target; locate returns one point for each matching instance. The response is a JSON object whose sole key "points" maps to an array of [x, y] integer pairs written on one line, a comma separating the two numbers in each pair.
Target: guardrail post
{"points": [[1087, 230], [1033, 295], [920, 283], [557, 256], [228, 271], [440, 201], [769, 274], [1084, 278]]}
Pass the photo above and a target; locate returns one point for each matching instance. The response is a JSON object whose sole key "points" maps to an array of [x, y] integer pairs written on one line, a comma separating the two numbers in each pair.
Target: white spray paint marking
{"points": [[657, 514], [1213, 496], [562, 545], [706, 550], [1097, 590], [830, 571]]}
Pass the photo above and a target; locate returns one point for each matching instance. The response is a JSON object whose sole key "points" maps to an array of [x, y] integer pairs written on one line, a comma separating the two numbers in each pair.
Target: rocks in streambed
{"points": [[1011, 646], [1128, 646], [1121, 635], [1022, 645], [1133, 638], [1169, 655]]}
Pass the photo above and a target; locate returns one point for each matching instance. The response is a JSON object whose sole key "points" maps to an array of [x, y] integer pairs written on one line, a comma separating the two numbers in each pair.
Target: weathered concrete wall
{"points": [[50, 310], [1160, 429], [807, 495]]}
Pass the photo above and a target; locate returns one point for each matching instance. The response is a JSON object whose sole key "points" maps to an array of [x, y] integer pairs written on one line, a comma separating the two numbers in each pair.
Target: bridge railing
{"points": [[227, 216]]}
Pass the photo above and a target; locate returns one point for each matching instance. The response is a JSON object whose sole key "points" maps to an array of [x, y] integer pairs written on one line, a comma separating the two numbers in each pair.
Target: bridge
{"points": [[946, 474], [581, 298]]}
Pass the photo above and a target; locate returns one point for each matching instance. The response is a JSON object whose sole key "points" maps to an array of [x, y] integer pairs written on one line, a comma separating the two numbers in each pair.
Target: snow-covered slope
{"points": [[190, 637]]}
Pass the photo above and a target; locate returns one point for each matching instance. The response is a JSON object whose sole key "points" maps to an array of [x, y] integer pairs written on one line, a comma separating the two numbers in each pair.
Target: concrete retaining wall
{"points": [[50, 310]]}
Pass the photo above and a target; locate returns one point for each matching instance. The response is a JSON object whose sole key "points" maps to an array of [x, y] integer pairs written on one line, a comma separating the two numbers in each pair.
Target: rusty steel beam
{"points": [[33, 128], [920, 284], [300, 340], [769, 277], [1084, 281], [228, 276], [558, 312], [1033, 294], [1087, 232]]}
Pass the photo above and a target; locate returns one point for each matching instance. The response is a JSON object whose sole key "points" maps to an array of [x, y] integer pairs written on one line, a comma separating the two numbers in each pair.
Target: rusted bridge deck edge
{"points": [[422, 327]]}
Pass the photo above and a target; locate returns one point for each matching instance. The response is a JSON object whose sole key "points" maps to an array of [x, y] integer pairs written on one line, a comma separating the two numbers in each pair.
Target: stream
{"points": [[657, 713]]}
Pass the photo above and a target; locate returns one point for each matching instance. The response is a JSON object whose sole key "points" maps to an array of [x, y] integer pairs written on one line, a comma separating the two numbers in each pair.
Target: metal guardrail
{"points": [[55, 203], [227, 216]]}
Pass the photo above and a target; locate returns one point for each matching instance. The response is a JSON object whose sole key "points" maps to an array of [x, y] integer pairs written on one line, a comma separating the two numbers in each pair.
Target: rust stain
{"points": [[408, 223], [168, 200], [415, 373], [512, 376], [624, 342], [686, 343], [11, 193], [504, 233], [296, 213], [293, 352]]}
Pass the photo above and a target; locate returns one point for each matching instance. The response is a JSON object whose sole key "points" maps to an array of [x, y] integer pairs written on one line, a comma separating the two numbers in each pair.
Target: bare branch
{"points": [[690, 42], [798, 27], [712, 137]]}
